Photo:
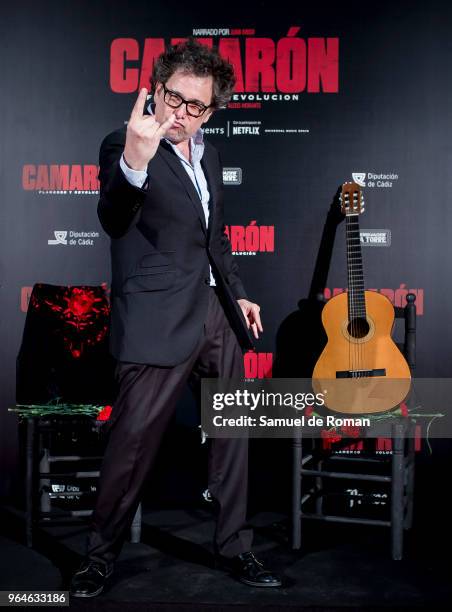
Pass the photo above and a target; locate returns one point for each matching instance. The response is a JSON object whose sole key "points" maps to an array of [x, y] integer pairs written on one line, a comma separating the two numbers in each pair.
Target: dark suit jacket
{"points": [[160, 254]]}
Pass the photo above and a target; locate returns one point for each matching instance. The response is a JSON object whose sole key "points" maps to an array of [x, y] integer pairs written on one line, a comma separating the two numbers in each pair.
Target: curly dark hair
{"points": [[195, 58]]}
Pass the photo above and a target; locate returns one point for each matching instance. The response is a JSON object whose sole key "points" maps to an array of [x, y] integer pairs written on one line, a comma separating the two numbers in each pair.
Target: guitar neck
{"points": [[355, 275]]}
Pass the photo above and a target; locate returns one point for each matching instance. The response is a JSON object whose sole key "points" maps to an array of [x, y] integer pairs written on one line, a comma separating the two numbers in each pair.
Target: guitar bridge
{"points": [[360, 373]]}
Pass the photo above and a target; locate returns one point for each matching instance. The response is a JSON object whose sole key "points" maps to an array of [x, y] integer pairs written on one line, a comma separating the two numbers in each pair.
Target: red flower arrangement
{"points": [[104, 414]]}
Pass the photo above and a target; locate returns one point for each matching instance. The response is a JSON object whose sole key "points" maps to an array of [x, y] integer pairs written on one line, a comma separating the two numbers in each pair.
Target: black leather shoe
{"points": [[89, 580], [246, 568]]}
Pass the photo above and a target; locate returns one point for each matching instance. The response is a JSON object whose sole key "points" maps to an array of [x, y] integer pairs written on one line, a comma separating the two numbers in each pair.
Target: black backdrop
{"points": [[387, 122]]}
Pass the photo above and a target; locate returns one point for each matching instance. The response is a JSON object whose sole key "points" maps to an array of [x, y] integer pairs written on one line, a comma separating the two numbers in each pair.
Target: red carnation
{"points": [[104, 414], [330, 435], [352, 431], [308, 410], [403, 409]]}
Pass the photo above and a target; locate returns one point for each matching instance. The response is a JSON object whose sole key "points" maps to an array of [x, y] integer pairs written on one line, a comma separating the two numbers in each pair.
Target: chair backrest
{"points": [[408, 313], [64, 351]]}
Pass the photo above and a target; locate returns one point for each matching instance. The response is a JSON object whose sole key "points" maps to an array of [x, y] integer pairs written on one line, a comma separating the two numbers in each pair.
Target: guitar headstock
{"points": [[351, 199]]}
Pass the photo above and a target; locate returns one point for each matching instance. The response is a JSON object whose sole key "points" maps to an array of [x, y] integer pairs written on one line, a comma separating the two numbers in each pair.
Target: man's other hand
{"points": [[252, 316]]}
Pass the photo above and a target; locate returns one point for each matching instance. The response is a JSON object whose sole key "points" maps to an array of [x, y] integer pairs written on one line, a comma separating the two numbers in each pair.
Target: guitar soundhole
{"points": [[358, 327]]}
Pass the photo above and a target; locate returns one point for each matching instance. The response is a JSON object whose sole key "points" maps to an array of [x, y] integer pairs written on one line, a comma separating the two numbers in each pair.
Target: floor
{"points": [[339, 566]]}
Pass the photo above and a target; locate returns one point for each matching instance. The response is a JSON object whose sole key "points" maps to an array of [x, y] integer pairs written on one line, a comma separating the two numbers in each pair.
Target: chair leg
{"points": [[410, 482], [318, 489], [44, 468], [29, 481], [296, 493], [397, 491], [135, 528]]}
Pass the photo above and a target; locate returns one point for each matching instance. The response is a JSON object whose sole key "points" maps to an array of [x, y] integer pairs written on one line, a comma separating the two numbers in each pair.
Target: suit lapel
{"points": [[207, 164], [175, 165]]}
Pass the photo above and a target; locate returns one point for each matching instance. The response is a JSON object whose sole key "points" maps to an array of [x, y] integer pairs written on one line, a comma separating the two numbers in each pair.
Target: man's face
{"points": [[190, 87]]}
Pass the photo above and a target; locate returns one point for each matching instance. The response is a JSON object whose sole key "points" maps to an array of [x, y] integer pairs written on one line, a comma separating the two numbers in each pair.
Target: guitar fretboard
{"points": [[356, 301]]}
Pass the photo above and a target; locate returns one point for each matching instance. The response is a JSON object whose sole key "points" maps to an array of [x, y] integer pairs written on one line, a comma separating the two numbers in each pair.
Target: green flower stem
{"points": [[55, 409]]}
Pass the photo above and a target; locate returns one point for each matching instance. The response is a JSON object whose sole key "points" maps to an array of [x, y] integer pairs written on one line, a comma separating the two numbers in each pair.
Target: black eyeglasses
{"points": [[173, 99]]}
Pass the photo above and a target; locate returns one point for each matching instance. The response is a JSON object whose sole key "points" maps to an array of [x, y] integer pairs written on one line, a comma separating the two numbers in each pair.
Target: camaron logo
{"points": [[251, 239], [258, 365], [61, 179], [267, 69]]}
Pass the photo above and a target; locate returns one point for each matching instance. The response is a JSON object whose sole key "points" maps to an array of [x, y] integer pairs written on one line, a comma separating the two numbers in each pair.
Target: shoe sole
{"points": [[98, 592], [259, 584]]}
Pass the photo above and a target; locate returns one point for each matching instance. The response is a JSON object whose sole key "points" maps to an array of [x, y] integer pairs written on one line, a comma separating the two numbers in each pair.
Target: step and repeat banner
{"points": [[325, 94]]}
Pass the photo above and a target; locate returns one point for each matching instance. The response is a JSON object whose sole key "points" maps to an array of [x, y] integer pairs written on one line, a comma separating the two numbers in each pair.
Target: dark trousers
{"points": [[146, 402]]}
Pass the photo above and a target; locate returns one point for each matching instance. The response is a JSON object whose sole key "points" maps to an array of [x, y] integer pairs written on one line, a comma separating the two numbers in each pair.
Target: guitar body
{"points": [[361, 370]]}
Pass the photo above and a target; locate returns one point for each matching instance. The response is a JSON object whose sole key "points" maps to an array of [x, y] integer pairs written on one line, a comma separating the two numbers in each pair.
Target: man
{"points": [[179, 311]]}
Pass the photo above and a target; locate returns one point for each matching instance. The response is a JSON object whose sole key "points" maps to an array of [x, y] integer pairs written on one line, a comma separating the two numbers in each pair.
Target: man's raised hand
{"points": [[143, 134]]}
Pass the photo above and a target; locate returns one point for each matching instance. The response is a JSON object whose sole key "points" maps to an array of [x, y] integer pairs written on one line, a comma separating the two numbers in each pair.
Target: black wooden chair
{"points": [[314, 465], [64, 358]]}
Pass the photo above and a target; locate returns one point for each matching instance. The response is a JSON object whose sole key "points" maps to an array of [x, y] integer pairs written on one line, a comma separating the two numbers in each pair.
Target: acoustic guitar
{"points": [[361, 370]]}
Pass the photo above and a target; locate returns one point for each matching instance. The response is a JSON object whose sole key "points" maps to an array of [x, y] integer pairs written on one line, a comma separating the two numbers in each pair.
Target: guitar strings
{"points": [[356, 300], [350, 287], [351, 300], [356, 303]]}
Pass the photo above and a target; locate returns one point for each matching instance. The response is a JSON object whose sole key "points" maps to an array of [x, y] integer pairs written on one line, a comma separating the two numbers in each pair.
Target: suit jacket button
{"points": [[207, 281]]}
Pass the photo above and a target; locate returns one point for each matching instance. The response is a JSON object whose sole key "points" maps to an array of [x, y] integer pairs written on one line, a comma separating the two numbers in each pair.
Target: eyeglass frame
{"points": [[186, 102]]}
